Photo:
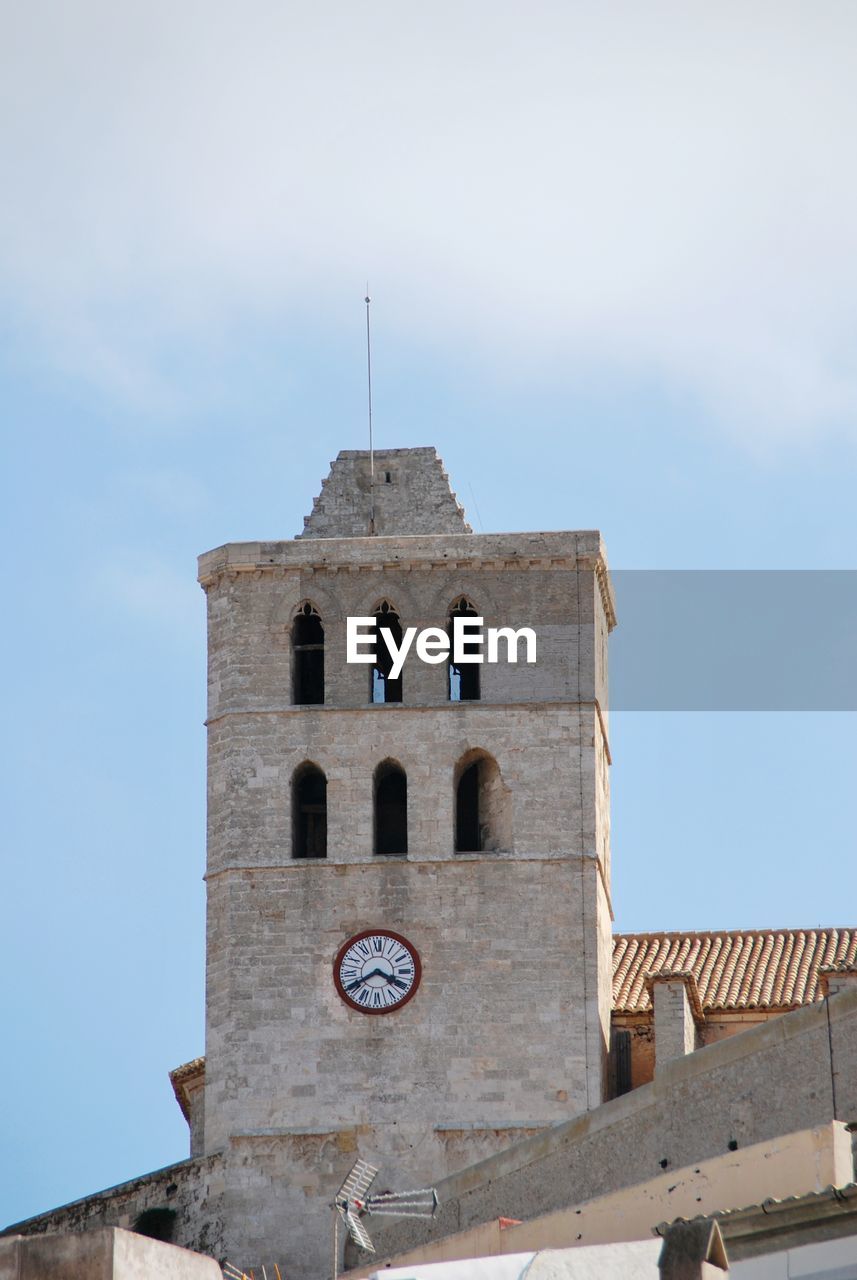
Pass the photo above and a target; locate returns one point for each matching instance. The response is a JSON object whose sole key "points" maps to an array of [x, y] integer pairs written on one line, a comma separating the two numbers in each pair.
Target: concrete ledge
{"points": [[109, 1254]]}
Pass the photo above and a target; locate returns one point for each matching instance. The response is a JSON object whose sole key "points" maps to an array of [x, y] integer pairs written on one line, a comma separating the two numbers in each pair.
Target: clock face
{"points": [[377, 971]]}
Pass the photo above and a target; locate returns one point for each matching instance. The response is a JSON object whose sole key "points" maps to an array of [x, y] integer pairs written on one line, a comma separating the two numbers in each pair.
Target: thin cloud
{"points": [[658, 190]]}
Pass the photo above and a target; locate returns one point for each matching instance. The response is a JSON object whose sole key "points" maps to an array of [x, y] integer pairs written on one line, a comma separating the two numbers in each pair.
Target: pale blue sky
{"points": [[614, 270]]}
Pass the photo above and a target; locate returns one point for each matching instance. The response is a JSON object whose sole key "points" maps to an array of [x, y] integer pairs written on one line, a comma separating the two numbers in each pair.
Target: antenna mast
{"points": [[371, 444], [352, 1202]]}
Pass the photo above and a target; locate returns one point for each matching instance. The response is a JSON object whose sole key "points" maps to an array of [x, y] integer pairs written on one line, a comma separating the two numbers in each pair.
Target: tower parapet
{"points": [[410, 494]]}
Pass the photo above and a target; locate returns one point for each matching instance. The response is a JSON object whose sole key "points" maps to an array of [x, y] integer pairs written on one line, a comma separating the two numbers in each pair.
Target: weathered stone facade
{"points": [[410, 495], [187, 1194], [509, 1031]]}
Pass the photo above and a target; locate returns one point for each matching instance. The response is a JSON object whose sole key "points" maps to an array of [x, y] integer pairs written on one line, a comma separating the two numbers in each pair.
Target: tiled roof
{"points": [[755, 970], [180, 1077]]}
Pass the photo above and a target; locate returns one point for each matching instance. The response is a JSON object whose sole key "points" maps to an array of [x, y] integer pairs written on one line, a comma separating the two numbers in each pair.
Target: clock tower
{"points": [[408, 946]]}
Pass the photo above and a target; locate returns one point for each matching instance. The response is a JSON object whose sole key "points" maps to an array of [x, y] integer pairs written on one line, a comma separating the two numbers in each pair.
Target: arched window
{"points": [[382, 688], [309, 812], [391, 809], [464, 676], [468, 832], [483, 807], [307, 656]]}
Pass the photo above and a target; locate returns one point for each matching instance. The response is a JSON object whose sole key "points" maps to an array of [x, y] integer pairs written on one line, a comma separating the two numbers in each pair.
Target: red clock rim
{"points": [[374, 933]]}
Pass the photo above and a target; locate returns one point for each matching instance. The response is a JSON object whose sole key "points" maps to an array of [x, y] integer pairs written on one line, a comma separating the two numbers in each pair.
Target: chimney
{"points": [[692, 1251], [677, 1013], [834, 978]]}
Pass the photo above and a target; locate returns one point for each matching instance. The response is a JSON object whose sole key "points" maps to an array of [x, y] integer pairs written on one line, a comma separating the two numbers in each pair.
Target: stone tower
{"points": [[462, 811]]}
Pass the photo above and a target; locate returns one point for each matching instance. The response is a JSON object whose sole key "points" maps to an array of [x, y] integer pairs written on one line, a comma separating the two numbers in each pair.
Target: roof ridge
{"points": [[735, 969], [736, 933]]}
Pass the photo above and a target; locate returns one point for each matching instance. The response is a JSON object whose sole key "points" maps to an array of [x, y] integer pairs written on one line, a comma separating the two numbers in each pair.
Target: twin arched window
{"points": [[464, 683], [309, 811]]}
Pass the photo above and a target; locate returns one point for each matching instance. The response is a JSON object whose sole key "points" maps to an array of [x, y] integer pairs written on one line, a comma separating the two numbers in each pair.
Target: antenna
{"points": [[371, 444], [231, 1272], [351, 1201]]}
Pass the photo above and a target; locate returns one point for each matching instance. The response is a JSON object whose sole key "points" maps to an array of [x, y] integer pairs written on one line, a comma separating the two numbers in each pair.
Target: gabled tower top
{"points": [[411, 496]]}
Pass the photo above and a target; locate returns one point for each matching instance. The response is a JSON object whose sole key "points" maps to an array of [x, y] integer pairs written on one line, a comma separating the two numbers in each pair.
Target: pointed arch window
{"points": [[391, 809], [464, 682], [382, 688], [307, 657], [309, 812]]}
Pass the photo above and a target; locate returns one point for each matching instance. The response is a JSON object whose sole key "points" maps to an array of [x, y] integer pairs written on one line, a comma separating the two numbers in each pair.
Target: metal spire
{"points": [[371, 443]]}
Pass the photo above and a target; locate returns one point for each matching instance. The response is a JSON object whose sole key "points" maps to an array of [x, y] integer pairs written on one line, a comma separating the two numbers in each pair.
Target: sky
{"points": [[612, 252]]}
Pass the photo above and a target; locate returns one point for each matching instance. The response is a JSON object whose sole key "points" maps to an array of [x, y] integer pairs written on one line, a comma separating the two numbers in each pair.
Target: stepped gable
{"points": [[412, 495]]}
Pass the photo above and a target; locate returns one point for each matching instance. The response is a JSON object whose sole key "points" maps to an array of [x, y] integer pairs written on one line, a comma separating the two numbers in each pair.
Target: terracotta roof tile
{"points": [[180, 1077], [762, 969]]}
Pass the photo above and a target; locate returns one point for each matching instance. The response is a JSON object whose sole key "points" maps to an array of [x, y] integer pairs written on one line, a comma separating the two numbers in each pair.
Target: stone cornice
{"points": [[496, 552]]}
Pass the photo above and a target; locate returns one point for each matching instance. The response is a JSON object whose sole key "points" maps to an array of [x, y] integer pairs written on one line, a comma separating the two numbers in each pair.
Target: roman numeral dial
{"points": [[377, 971]]}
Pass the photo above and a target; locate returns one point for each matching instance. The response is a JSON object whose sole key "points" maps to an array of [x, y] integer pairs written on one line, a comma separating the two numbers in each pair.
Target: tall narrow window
{"points": [[307, 656], [309, 812], [391, 809], [464, 676], [622, 1062], [382, 687], [483, 806], [468, 837]]}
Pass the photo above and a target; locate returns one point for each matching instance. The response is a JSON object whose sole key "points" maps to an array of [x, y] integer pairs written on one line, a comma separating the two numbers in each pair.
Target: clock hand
{"points": [[389, 978]]}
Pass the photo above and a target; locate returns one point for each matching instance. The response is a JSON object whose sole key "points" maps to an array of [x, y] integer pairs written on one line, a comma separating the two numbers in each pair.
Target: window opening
{"points": [[382, 687], [391, 810], [307, 657], [309, 807], [464, 684]]}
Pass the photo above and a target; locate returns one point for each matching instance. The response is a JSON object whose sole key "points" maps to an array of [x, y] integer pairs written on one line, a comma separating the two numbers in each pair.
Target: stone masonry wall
{"points": [[718, 1025], [508, 1031], [794, 1072], [251, 615], [411, 494], [546, 756], [191, 1189], [495, 1034], [494, 1044], [675, 1032]]}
